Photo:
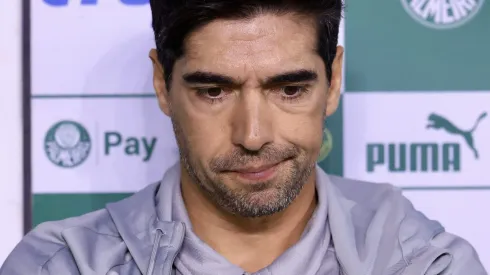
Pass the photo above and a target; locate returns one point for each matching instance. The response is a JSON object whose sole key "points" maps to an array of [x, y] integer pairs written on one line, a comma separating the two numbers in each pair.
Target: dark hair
{"points": [[174, 20]]}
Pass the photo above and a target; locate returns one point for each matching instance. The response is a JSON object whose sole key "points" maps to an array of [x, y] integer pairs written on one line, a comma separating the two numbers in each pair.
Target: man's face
{"points": [[247, 102]]}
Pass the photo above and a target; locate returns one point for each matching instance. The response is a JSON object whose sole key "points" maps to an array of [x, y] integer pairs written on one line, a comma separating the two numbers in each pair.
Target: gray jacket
{"points": [[374, 228]]}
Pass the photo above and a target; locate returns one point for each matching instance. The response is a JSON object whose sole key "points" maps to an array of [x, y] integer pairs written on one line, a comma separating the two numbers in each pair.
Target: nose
{"points": [[252, 122]]}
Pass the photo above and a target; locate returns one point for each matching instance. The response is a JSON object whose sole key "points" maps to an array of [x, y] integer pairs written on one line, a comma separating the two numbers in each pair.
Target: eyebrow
{"points": [[200, 77], [292, 77]]}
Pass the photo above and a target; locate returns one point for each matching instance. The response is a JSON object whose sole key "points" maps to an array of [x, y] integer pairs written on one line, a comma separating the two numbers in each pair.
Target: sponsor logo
{"points": [[93, 2], [142, 147], [68, 144], [425, 156], [442, 14], [327, 145], [438, 122]]}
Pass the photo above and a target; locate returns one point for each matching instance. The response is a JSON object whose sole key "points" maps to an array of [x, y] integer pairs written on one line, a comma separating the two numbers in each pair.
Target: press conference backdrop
{"points": [[413, 111]]}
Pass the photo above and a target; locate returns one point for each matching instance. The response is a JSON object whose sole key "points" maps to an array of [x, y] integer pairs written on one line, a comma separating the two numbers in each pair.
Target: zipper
{"points": [[154, 251], [180, 230]]}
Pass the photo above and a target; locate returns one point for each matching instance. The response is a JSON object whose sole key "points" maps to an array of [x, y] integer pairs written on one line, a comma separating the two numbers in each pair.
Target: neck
{"points": [[251, 243]]}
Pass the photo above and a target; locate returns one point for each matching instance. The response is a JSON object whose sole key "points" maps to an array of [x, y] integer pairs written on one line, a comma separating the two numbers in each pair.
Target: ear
{"points": [[333, 96], [159, 83]]}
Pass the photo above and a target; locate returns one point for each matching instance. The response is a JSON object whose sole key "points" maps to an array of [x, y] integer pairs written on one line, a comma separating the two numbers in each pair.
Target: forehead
{"points": [[263, 44]]}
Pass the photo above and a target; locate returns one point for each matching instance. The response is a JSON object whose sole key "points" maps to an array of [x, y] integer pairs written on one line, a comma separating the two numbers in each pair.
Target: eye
{"points": [[292, 91], [214, 92]]}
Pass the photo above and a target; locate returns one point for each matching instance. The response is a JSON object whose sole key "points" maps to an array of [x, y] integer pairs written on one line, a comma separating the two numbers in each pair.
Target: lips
{"points": [[255, 169], [256, 173]]}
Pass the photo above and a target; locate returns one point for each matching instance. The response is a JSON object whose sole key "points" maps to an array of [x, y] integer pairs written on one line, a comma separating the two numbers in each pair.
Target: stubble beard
{"points": [[252, 201]]}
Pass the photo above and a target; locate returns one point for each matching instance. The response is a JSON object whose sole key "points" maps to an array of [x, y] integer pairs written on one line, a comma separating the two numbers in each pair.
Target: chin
{"points": [[263, 197]]}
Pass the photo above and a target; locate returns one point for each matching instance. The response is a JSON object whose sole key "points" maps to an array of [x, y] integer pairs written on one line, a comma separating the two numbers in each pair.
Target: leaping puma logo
{"points": [[437, 122]]}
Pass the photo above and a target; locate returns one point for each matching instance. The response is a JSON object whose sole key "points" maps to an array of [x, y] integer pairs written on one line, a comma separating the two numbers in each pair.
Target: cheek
{"points": [[305, 129], [306, 132], [205, 135]]}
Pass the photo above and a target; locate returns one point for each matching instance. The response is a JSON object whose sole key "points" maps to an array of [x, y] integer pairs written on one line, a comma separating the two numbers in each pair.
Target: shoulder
{"points": [[52, 244], [371, 196], [423, 243], [370, 200]]}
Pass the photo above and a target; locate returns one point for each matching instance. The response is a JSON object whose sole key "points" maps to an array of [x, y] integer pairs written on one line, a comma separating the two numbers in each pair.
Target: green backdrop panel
{"points": [[51, 207], [388, 50]]}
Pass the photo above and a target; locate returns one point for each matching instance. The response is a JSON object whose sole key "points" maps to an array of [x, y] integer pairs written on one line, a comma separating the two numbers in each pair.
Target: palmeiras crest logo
{"points": [[327, 145], [67, 144], [443, 14]]}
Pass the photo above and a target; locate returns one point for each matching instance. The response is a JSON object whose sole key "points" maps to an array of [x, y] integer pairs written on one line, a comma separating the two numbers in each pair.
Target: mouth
{"points": [[257, 173]]}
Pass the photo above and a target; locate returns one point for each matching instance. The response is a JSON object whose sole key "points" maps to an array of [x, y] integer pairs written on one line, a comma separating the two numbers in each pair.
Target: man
{"points": [[248, 85]]}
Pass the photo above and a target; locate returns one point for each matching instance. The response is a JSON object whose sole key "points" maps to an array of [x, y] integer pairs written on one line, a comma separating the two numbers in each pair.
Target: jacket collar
{"points": [[394, 227], [305, 257], [139, 223], [138, 220]]}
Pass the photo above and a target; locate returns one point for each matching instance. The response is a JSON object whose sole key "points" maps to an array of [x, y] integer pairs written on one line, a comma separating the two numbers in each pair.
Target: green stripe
{"points": [[78, 96], [51, 207]]}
